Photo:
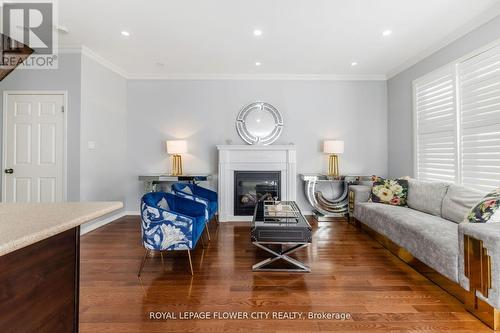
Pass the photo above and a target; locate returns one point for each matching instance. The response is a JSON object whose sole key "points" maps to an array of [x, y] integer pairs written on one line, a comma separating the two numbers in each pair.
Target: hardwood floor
{"points": [[351, 273]]}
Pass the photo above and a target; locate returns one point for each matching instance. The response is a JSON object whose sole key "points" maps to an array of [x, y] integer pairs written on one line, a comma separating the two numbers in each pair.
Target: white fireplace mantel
{"points": [[254, 158]]}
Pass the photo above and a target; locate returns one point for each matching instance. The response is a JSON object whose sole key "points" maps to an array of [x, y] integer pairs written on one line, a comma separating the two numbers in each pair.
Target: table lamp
{"points": [[334, 148], [175, 148]]}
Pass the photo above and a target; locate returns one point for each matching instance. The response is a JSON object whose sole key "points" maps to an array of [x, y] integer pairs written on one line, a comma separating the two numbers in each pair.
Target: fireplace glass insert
{"points": [[251, 187]]}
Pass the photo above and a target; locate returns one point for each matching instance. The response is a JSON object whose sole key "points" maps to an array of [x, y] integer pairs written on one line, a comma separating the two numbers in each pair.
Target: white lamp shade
{"points": [[333, 147], [176, 147]]}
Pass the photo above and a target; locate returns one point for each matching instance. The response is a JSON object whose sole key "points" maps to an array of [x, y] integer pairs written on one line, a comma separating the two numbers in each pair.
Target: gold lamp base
{"points": [[333, 166], [176, 165]]}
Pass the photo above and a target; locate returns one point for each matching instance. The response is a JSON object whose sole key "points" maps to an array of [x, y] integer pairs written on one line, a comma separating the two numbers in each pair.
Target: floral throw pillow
{"points": [[486, 210], [390, 191]]}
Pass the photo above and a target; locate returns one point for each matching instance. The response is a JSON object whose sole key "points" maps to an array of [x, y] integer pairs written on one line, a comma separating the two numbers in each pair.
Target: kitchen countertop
{"points": [[23, 224]]}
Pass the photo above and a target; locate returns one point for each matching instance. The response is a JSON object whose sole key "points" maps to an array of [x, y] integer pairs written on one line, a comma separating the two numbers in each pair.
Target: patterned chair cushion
{"points": [[178, 228], [198, 193]]}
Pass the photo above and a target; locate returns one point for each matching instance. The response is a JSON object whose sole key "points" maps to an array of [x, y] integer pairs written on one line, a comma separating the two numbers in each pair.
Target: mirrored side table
{"points": [[330, 196]]}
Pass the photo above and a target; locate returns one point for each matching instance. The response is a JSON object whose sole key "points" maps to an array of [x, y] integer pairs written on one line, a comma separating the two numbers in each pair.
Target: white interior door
{"points": [[33, 148]]}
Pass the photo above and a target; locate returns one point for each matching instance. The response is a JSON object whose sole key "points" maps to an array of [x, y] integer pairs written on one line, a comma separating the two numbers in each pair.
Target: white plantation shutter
{"points": [[436, 134], [479, 129]]}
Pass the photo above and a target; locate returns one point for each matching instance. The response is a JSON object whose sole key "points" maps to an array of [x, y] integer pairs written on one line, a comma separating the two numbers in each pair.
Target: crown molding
{"points": [[455, 35], [83, 50], [277, 77], [103, 61], [69, 49]]}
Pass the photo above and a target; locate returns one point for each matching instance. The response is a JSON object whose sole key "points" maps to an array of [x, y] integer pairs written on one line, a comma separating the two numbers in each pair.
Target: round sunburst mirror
{"points": [[259, 123]]}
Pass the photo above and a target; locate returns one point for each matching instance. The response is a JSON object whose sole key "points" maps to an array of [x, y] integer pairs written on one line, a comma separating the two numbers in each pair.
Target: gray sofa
{"points": [[430, 228]]}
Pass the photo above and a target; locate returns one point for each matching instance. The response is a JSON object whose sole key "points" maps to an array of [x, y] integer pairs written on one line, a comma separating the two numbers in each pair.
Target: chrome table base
{"points": [[283, 255], [329, 196], [327, 217]]}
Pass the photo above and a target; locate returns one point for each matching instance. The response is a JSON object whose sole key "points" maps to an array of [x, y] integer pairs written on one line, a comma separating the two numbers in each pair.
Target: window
{"points": [[436, 144], [457, 122]]}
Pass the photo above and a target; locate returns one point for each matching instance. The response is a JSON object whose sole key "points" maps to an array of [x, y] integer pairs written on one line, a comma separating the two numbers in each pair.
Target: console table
{"points": [[330, 196], [152, 181]]}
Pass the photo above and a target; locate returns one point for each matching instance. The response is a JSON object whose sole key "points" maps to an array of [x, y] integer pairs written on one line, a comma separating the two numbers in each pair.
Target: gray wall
{"points": [[400, 100], [103, 121], [67, 78], [204, 112], [96, 112]]}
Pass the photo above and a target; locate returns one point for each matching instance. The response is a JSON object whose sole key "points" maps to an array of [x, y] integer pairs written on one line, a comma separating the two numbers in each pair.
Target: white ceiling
{"points": [[301, 38]]}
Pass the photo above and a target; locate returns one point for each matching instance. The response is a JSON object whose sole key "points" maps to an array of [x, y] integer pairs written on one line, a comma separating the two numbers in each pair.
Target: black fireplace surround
{"points": [[251, 187]]}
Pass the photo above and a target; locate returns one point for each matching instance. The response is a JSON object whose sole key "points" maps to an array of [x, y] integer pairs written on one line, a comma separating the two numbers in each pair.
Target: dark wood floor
{"points": [[351, 273]]}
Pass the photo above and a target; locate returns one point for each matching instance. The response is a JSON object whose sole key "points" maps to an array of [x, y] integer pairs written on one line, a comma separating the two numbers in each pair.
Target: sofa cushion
{"points": [[458, 201], [426, 197], [431, 239], [361, 192]]}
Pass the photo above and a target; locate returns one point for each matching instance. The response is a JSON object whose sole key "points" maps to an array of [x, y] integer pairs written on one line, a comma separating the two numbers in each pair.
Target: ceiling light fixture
{"points": [[354, 63], [257, 63], [125, 33], [257, 32], [387, 33]]}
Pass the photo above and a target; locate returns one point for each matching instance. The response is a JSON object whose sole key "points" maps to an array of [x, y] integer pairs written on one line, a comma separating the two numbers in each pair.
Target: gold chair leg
{"points": [[202, 241], [162, 262], [190, 263], [143, 262], [208, 232]]}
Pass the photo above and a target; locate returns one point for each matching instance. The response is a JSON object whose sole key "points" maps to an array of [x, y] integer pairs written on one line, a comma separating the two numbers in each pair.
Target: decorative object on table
{"points": [[328, 196], [486, 210], [390, 191], [170, 223], [334, 148], [176, 148], [259, 123], [267, 234], [281, 212], [200, 194], [153, 182]]}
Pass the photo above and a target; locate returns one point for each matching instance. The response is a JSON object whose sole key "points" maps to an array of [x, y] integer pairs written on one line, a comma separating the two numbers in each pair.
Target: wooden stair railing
{"points": [[12, 54]]}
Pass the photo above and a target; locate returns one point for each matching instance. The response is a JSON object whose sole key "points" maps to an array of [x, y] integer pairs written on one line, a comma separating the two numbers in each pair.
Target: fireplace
{"points": [[251, 187], [278, 159]]}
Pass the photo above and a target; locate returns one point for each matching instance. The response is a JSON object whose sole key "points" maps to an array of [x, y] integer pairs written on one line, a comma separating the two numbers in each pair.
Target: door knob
{"points": [[9, 170]]}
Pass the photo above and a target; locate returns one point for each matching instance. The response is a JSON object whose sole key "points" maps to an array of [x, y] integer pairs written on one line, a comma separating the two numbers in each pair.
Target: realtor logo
{"points": [[32, 24]]}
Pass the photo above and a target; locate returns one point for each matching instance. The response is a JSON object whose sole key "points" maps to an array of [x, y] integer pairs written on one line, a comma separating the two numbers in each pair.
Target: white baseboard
{"points": [[88, 227]]}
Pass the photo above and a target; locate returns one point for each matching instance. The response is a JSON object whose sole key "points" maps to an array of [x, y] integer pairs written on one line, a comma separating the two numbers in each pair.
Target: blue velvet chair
{"points": [[199, 194], [170, 223]]}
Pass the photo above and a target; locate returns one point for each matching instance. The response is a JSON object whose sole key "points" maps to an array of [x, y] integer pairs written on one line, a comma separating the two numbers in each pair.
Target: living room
{"points": [[174, 166]]}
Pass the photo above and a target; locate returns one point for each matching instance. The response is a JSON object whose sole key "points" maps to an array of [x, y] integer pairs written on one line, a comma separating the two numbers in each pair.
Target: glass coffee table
{"points": [[280, 229]]}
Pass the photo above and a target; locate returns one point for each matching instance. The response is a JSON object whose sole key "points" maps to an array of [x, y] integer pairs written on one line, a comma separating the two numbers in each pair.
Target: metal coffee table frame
{"points": [[283, 254]]}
